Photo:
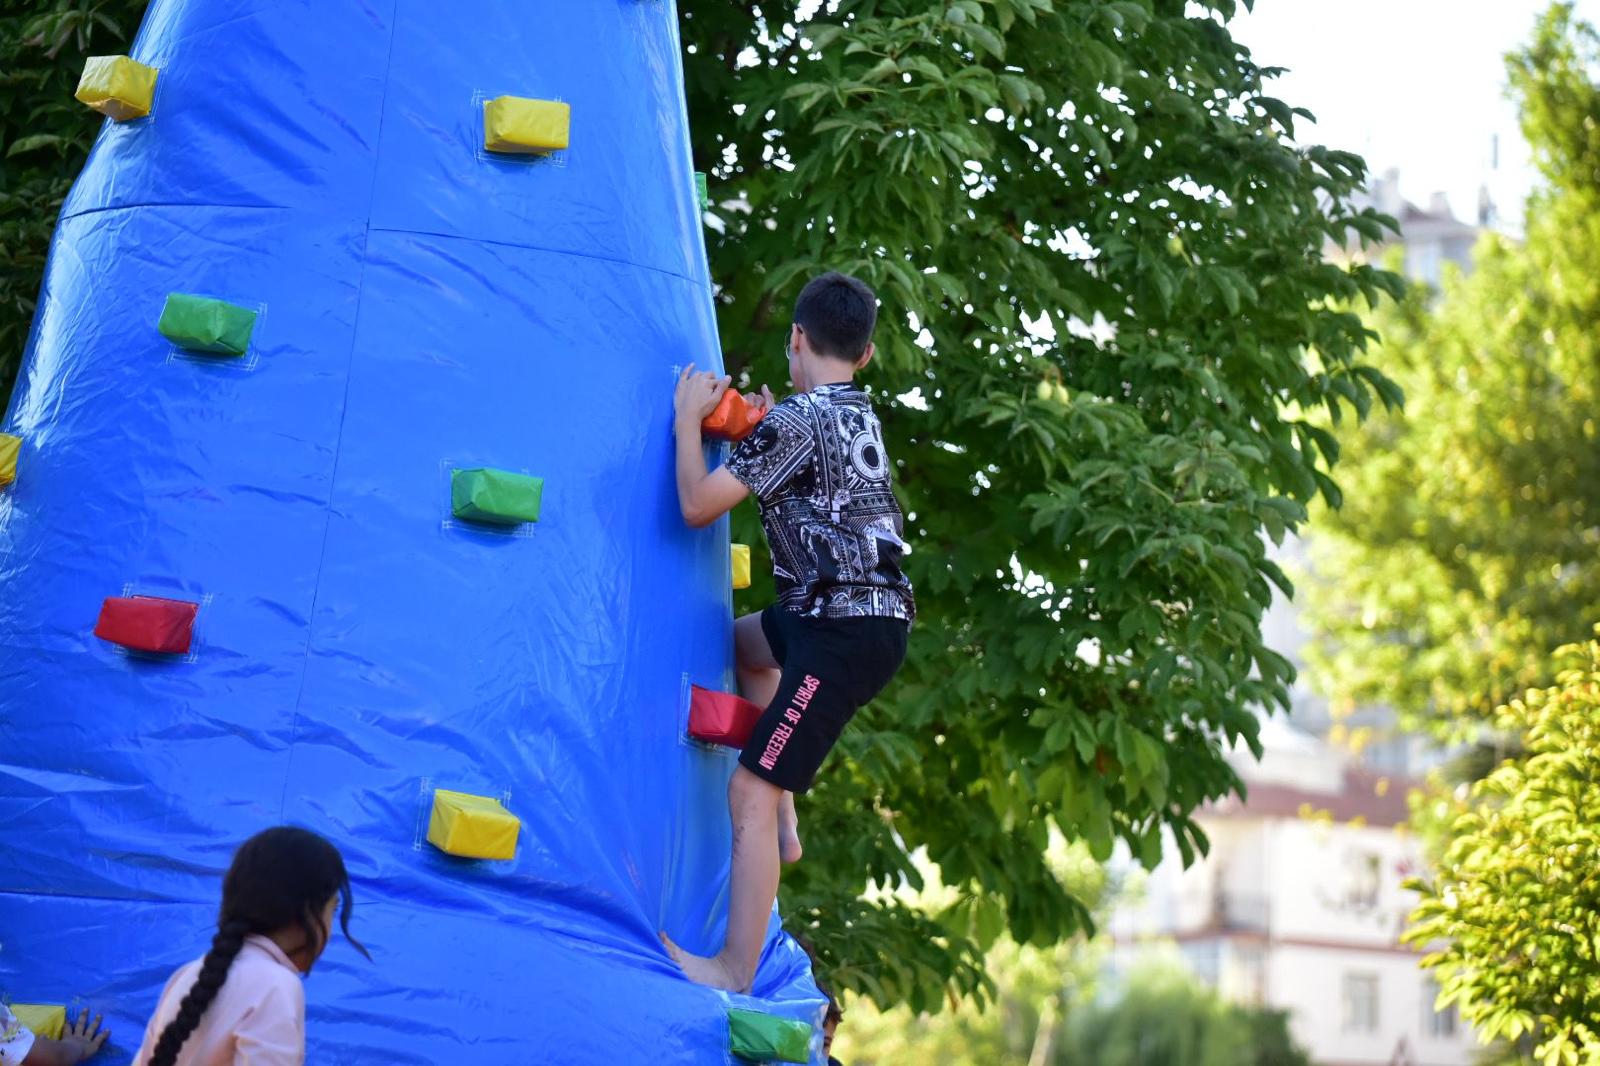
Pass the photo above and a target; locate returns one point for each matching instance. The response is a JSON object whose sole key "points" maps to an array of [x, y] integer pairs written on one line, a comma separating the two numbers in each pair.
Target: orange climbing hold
{"points": [[721, 717], [148, 623], [733, 419]]}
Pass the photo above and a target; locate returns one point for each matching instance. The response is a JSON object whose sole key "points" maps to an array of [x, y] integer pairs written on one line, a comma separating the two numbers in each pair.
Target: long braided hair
{"points": [[279, 877]]}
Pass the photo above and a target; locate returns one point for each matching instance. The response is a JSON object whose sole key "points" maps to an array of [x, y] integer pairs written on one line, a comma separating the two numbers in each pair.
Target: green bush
{"points": [[45, 136], [1514, 906]]}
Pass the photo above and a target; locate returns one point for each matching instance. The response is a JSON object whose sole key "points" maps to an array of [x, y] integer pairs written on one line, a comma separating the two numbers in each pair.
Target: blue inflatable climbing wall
{"points": [[423, 305]]}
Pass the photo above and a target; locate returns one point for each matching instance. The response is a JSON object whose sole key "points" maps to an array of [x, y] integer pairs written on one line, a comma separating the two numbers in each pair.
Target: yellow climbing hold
{"points": [[117, 86], [473, 827], [45, 1019], [521, 126], [10, 448], [741, 566]]}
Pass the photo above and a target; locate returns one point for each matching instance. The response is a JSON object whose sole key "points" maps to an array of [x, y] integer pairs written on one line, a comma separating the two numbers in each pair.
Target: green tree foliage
{"points": [[1106, 327], [1045, 1013], [1514, 902], [1165, 1018], [1034, 989], [1107, 331], [1469, 542], [44, 138], [1270, 1041]]}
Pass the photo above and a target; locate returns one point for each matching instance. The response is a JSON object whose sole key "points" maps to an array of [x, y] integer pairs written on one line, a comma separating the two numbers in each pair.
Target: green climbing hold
{"points": [[483, 494], [201, 324], [767, 1038], [700, 190]]}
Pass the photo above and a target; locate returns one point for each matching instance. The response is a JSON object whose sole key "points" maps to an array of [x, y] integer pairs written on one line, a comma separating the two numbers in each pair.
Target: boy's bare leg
{"points": [[752, 889], [758, 682]]}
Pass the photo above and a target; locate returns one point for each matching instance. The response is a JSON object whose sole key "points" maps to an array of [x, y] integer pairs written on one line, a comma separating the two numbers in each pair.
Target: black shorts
{"points": [[831, 668]]}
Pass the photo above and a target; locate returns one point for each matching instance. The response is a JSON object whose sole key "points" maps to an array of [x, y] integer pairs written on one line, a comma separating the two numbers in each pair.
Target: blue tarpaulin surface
{"points": [[423, 305]]}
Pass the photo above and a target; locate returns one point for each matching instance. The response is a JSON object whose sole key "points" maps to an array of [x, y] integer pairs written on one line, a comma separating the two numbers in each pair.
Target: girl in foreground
{"points": [[243, 1001]]}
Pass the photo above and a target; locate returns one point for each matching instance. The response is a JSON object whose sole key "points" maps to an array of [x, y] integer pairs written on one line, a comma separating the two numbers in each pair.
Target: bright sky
{"points": [[1414, 84]]}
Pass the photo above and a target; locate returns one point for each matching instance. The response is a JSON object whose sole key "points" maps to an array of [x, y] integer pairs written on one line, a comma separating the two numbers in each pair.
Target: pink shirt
{"points": [[257, 1019]]}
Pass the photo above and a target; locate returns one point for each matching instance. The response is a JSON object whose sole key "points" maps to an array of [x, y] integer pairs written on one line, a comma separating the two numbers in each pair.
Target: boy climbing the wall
{"points": [[817, 467]]}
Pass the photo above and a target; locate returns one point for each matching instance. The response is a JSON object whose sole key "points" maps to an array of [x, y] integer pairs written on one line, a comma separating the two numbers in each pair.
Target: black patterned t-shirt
{"points": [[817, 466]]}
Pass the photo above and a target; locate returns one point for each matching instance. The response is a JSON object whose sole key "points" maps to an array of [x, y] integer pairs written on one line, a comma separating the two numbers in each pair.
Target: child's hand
{"points": [[85, 1038], [698, 395]]}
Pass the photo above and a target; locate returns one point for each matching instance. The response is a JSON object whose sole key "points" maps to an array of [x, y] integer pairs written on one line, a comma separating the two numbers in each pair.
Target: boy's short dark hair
{"points": [[838, 313], [835, 1012]]}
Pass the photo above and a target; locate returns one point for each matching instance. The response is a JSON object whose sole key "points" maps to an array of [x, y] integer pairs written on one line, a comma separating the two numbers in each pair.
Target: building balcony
{"points": [[1241, 912]]}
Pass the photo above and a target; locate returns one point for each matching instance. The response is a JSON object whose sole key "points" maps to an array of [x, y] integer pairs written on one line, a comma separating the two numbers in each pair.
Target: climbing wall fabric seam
{"points": [[536, 248], [344, 410]]}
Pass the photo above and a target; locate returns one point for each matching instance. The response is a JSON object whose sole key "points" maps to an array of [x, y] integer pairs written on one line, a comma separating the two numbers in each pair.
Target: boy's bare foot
{"points": [[789, 849], [702, 970]]}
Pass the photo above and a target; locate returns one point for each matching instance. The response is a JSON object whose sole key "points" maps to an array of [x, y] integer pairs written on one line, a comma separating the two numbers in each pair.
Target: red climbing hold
{"points": [[148, 623], [721, 717], [733, 418]]}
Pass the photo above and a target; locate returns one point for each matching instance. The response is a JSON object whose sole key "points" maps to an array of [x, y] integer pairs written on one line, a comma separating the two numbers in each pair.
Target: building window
{"points": [[1360, 1002], [1249, 974], [1437, 1023], [1204, 958], [1365, 883]]}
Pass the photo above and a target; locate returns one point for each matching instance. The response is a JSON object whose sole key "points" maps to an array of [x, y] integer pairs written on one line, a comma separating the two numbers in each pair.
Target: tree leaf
{"points": [[986, 39]]}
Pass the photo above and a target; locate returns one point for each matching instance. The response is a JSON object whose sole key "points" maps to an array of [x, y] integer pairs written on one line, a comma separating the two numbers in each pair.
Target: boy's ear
{"points": [[866, 356]]}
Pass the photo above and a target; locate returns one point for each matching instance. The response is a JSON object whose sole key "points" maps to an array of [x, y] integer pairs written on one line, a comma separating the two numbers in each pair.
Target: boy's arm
{"points": [[703, 496]]}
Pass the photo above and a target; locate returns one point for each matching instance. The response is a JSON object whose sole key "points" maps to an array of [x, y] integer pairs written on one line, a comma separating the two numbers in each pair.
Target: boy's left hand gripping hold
{"points": [[697, 395]]}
